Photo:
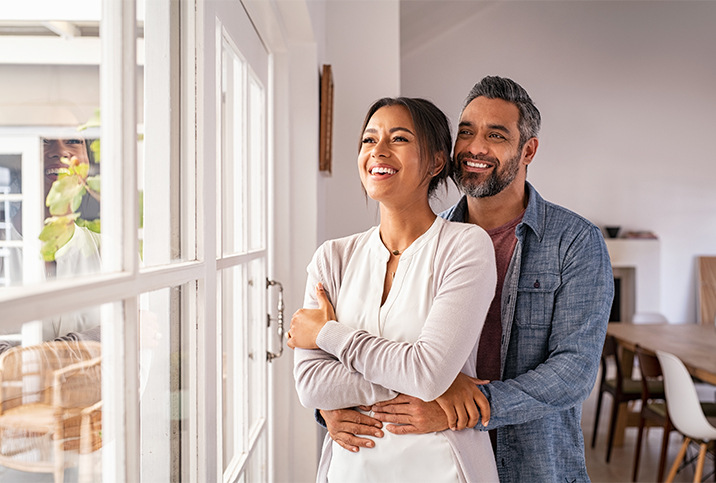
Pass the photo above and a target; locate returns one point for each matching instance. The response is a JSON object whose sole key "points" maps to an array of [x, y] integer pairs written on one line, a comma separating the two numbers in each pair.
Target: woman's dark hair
{"points": [[432, 130]]}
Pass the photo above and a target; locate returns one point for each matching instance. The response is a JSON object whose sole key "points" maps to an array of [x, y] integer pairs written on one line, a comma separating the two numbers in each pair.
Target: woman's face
{"points": [[54, 149], [389, 159]]}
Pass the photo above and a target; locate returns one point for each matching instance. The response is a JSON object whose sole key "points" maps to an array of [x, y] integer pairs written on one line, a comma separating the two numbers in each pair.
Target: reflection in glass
{"points": [[51, 399]]}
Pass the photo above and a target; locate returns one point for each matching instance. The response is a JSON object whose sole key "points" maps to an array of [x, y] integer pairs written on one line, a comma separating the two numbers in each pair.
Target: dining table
{"points": [[694, 344]]}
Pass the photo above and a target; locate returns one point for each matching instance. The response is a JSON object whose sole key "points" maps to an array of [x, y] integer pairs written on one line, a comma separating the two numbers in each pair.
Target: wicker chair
{"points": [[45, 393]]}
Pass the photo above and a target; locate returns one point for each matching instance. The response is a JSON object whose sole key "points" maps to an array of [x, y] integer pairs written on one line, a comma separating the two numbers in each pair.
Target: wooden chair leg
{"points": [[700, 463], [596, 417], [612, 428], [637, 452], [664, 447], [678, 460]]}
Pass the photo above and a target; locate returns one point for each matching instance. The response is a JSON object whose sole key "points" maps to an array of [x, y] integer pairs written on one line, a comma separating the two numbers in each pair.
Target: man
{"points": [[543, 335]]}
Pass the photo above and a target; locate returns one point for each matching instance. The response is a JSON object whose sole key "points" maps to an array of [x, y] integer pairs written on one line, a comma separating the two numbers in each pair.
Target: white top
{"points": [[416, 343]]}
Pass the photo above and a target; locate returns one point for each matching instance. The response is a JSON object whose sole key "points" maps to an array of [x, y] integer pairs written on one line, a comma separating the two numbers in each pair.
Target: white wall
{"points": [[363, 47], [626, 91]]}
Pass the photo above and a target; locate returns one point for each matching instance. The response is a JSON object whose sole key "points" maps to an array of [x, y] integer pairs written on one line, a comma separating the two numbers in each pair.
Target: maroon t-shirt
{"points": [[488, 354]]}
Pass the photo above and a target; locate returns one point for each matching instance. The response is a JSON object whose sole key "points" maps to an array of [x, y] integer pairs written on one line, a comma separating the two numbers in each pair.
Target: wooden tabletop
{"points": [[694, 344]]}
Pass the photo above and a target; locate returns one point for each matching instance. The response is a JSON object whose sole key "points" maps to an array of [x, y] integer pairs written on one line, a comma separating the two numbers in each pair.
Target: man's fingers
{"points": [[404, 429], [394, 418], [399, 399], [353, 428], [351, 442]]}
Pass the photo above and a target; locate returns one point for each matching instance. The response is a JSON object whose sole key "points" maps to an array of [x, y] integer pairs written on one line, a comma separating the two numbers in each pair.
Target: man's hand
{"points": [[456, 409], [344, 424], [414, 415]]}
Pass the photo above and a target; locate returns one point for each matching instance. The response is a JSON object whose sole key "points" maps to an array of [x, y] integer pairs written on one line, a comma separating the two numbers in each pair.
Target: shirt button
{"points": [[536, 284]]}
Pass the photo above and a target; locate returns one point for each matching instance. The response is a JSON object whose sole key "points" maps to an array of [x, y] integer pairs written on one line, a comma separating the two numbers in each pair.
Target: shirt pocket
{"points": [[535, 299]]}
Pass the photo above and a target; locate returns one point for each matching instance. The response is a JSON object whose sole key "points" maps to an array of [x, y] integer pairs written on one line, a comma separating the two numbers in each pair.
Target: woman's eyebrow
{"points": [[371, 130]]}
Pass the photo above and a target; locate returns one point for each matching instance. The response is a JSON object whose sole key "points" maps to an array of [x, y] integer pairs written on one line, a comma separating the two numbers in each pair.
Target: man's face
{"points": [[487, 152]]}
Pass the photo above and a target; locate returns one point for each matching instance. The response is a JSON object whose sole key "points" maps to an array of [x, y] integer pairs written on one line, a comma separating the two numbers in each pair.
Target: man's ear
{"points": [[529, 150]]}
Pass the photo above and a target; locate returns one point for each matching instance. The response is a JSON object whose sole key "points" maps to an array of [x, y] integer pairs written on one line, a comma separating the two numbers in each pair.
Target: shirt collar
{"points": [[534, 216]]}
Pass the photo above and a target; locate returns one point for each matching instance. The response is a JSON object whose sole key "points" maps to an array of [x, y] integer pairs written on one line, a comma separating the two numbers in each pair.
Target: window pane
{"points": [[51, 396], [161, 376], [232, 172], [257, 163], [49, 143], [158, 157]]}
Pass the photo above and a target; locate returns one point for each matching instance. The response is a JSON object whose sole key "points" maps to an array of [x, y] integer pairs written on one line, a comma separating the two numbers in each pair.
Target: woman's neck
{"points": [[400, 227]]}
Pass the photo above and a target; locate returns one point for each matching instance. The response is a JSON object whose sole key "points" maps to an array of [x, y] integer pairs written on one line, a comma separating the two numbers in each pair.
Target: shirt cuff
{"points": [[333, 336]]}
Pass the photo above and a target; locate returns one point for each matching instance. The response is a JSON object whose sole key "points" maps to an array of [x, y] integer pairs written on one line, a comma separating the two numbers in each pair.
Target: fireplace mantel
{"points": [[644, 256]]}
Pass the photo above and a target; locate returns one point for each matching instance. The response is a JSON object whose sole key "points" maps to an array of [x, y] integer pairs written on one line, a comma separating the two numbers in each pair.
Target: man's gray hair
{"points": [[494, 87]]}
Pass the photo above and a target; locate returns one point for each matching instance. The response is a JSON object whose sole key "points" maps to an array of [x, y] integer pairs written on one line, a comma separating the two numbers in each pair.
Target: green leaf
{"points": [[94, 183], [94, 146], [63, 195], [91, 225], [82, 170], [57, 232]]}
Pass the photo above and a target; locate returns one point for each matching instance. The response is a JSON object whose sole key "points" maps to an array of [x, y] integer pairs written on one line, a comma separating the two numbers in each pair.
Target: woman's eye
{"points": [[367, 140], [400, 139], [73, 141]]}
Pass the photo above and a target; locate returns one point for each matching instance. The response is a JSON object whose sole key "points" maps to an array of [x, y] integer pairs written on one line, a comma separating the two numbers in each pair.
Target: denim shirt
{"points": [[556, 300]]}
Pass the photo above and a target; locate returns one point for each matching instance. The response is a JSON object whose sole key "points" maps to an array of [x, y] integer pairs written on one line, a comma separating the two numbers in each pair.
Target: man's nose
{"points": [[476, 146]]}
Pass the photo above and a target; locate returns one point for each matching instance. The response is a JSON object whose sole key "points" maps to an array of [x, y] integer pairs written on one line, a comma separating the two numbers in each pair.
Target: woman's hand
{"points": [[307, 323], [464, 403]]}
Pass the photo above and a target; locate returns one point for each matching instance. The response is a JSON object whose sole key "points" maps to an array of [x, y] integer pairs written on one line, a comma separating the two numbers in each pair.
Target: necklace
{"points": [[396, 252]]}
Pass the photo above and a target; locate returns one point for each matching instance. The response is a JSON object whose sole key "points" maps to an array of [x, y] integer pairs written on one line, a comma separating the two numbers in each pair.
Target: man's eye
{"points": [[464, 133], [73, 141], [494, 135]]}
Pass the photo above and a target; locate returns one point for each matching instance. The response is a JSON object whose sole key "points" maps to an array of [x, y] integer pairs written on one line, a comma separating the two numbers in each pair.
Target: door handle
{"points": [[270, 356]]}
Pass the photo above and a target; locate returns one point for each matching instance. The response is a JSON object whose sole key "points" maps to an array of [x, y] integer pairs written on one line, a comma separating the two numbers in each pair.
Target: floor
{"points": [[619, 470]]}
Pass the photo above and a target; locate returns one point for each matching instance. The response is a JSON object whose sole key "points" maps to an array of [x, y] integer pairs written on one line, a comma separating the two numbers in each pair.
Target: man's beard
{"points": [[494, 184]]}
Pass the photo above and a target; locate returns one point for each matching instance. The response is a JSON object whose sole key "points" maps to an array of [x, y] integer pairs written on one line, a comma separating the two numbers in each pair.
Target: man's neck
{"points": [[494, 211]]}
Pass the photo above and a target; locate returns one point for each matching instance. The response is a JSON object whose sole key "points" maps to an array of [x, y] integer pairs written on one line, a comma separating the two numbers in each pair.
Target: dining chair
{"points": [[685, 412], [43, 392], [622, 389], [653, 409]]}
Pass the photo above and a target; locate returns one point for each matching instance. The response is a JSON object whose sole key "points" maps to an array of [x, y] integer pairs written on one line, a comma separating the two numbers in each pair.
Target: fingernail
{"points": [[454, 428], [377, 434], [369, 444], [355, 450]]}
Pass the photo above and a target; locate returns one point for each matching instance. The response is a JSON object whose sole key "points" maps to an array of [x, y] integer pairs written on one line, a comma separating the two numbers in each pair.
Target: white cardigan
{"points": [[353, 367]]}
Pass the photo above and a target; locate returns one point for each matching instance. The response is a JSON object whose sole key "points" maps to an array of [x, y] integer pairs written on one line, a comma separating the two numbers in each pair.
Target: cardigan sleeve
{"points": [[321, 380], [466, 277]]}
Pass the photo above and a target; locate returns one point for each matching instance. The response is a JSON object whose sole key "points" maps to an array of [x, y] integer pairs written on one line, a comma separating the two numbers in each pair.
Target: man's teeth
{"points": [[475, 164], [382, 170]]}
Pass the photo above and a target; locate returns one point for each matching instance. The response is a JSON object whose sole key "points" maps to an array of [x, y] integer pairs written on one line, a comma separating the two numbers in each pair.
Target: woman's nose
{"points": [[381, 149]]}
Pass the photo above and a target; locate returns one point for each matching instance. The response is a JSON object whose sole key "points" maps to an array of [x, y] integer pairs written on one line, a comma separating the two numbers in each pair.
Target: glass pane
{"points": [[256, 342], [158, 159], [51, 396], [232, 308], [257, 164], [161, 373], [49, 143], [257, 471], [232, 172]]}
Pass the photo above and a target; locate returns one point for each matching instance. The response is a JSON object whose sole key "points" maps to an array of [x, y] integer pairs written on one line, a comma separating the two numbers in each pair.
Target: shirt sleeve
{"points": [[321, 380], [426, 368], [578, 328]]}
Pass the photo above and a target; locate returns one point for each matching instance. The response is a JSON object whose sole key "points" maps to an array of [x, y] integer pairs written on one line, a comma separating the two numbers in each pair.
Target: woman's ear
{"points": [[438, 164]]}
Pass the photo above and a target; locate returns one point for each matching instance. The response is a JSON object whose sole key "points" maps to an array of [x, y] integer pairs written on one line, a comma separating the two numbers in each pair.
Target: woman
{"points": [[410, 300]]}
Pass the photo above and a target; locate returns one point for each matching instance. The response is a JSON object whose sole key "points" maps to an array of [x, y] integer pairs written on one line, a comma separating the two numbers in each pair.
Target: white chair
{"points": [[685, 411]]}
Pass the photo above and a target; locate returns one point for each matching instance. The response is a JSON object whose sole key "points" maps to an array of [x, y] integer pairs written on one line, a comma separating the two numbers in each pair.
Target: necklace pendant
{"points": [[396, 252]]}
